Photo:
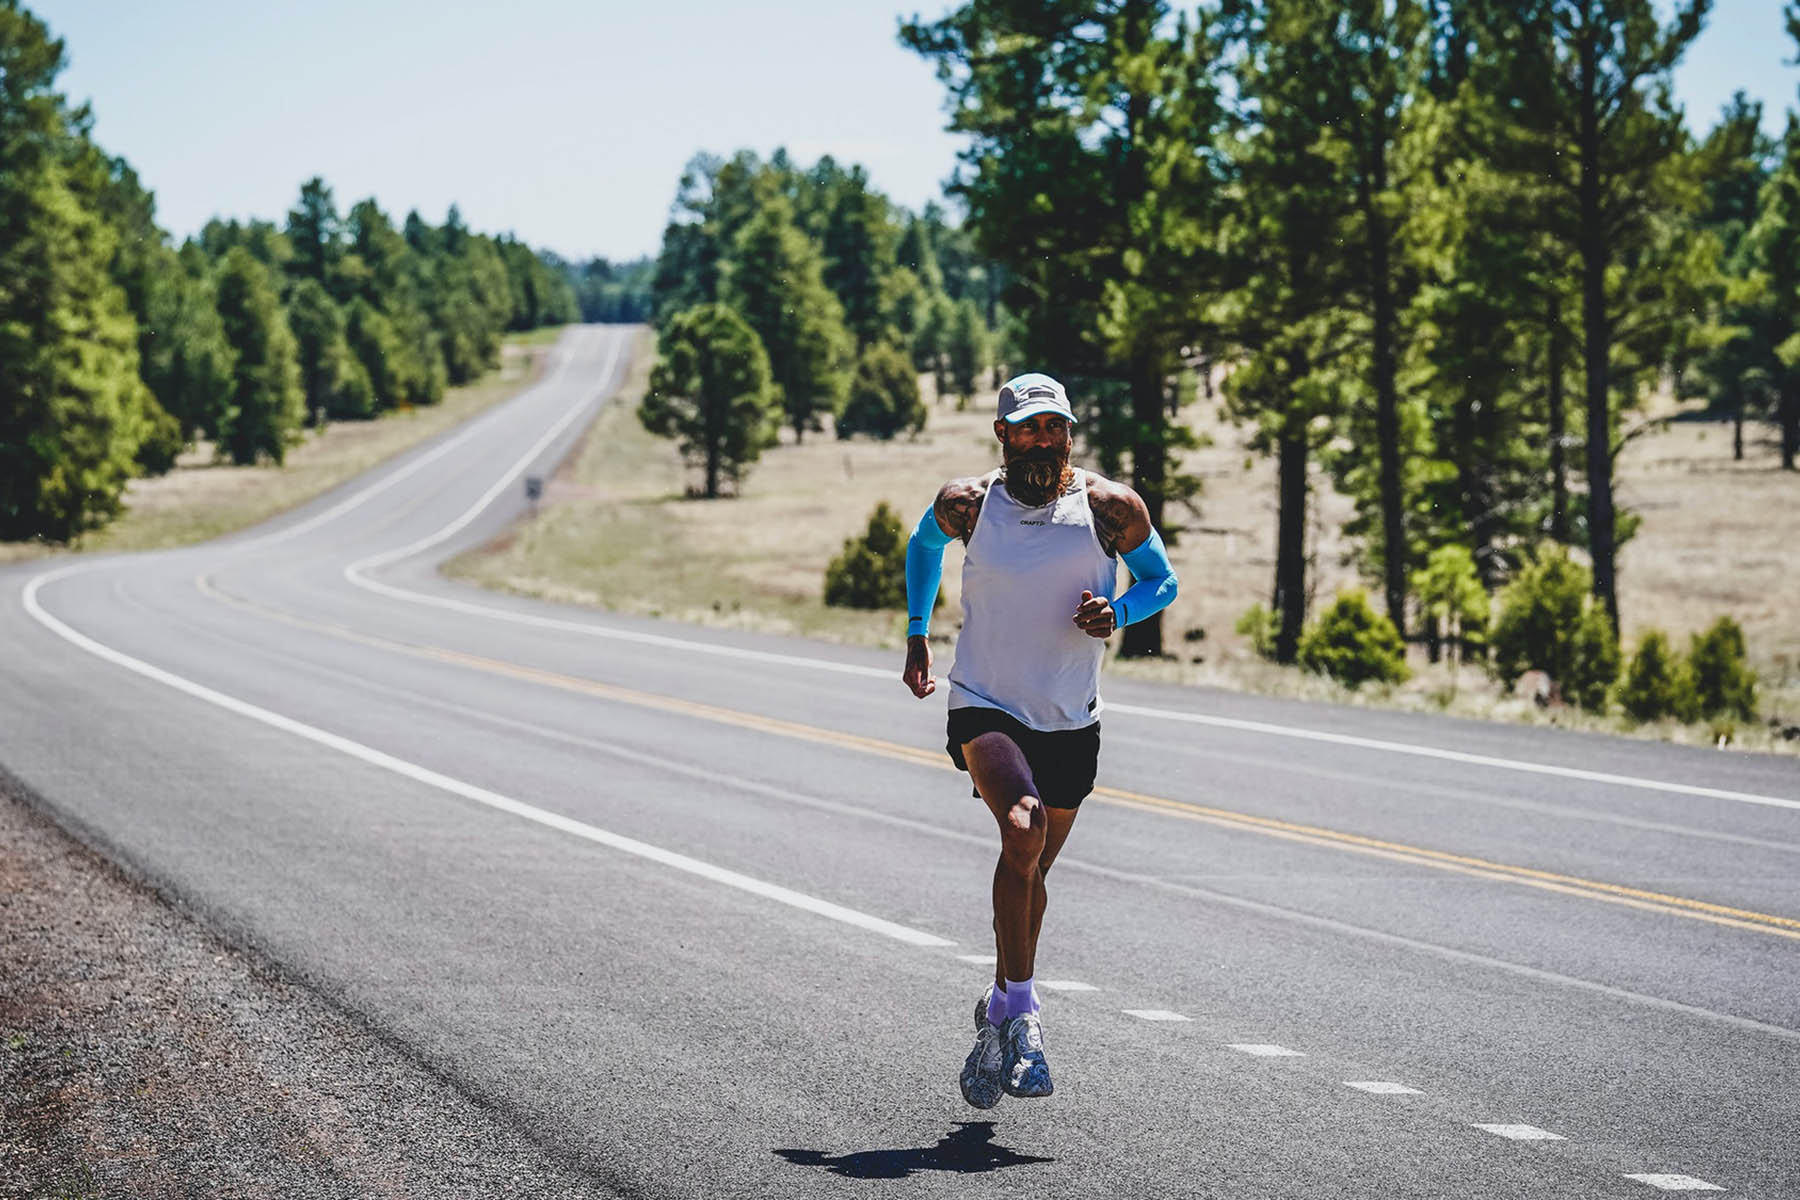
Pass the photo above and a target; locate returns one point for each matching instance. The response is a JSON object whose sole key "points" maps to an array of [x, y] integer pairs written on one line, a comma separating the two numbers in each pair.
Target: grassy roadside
{"points": [[616, 531], [202, 499]]}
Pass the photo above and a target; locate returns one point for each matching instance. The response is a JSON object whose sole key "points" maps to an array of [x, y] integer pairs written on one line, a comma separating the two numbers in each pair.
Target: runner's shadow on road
{"points": [[968, 1150]]}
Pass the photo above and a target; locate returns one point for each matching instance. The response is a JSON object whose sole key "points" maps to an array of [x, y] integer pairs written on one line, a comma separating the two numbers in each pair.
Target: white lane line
{"points": [[1522, 1133], [980, 960], [480, 795], [1066, 985], [1262, 1050], [1677, 1183], [1456, 756], [1381, 1088], [1155, 1014]]}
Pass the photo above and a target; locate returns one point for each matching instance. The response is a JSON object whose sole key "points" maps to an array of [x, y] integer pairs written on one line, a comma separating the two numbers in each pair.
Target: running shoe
{"points": [[1023, 1069], [981, 1008], [981, 1070]]}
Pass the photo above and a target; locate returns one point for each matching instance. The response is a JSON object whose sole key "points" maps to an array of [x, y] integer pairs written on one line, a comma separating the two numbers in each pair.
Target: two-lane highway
{"points": [[706, 910]]}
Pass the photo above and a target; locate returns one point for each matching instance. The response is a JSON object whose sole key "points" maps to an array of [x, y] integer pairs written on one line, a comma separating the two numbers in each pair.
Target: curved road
{"points": [[705, 911]]}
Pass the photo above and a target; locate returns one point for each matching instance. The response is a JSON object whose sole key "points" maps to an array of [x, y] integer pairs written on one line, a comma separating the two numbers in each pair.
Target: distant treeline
{"points": [[118, 349], [1441, 249], [610, 293]]}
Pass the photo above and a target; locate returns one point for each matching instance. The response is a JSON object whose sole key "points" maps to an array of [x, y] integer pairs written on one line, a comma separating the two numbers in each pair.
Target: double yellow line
{"points": [[1480, 868]]}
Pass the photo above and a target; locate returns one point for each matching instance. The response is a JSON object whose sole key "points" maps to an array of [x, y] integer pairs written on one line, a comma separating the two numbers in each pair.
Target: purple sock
{"points": [[1021, 998], [997, 1006]]}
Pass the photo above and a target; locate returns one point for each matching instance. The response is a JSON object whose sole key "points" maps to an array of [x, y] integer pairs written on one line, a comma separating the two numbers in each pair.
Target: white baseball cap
{"points": [[1030, 394]]}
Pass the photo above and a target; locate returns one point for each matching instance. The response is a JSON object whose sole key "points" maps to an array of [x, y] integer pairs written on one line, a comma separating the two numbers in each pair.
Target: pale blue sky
{"points": [[568, 122]]}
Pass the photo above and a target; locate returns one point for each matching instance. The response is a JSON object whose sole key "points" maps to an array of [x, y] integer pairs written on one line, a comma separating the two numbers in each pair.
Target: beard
{"points": [[1038, 475]]}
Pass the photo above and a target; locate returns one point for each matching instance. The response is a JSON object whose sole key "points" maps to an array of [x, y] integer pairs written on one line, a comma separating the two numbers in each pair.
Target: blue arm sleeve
{"points": [[924, 571], [1155, 586]]}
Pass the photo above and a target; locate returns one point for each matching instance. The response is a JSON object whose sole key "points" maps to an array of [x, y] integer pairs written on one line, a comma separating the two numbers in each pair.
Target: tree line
{"points": [[789, 295], [119, 349], [1441, 250]]}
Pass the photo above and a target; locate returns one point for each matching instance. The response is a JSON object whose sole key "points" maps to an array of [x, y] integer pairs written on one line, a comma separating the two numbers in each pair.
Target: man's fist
{"points": [[917, 674], [1095, 616]]}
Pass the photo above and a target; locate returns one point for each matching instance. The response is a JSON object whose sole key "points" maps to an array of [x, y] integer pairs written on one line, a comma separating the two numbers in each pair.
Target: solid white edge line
{"points": [[469, 791]]}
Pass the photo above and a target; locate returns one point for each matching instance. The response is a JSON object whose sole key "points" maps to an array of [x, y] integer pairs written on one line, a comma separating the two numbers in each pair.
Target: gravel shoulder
{"points": [[141, 1054]]}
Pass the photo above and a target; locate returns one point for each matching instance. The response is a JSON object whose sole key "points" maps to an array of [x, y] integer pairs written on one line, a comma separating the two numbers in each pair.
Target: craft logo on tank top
{"points": [[1029, 521]]}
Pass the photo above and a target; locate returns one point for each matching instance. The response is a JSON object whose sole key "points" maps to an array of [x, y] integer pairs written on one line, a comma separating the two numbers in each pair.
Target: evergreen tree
{"points": [[267, 403], [73, 411], [774, 279], [965, 347], [335, 383], [315, 233], [1772, 248], [711, 389], [884, 395], [858, 244]]}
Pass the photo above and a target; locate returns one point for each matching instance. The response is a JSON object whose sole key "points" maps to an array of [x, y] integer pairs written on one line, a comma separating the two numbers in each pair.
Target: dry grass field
{"points": [[617, 531], [202, 498]]}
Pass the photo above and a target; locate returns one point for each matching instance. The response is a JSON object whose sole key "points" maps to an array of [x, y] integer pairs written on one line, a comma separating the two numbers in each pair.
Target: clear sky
{"points": [[567, 121]]}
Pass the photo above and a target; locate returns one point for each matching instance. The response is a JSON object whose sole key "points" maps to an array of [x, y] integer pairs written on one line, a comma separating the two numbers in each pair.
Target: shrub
{"points": [[1723, 682], [1450, 590], [1353, 643], [1260, 625], [884, 396], [1593, 660], [1657, 684], [871, 572], [1547, 622]]}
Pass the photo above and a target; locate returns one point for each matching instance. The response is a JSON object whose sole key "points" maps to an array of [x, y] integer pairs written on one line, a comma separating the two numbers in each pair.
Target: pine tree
{"points": [[73, 411], [315, 233], [335, 383], [267, 403], [774, 279], [712, 390]]}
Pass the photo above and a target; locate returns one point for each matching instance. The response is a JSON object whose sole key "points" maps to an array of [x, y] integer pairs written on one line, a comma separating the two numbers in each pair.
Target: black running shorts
{"points": [[1062, 763]]}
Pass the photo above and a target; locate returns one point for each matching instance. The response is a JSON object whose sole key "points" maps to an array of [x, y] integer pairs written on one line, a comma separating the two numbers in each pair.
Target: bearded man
{"points": [[1042, 543]]}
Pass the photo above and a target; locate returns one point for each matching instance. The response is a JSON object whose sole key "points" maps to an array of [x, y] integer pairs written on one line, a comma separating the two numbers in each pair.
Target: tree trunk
{"points": [[1559, 430], [1434, 642], [1737, 425], [1290, 539], [1597, 336], [1149, 469], [1790, 425], [1387, 400]]}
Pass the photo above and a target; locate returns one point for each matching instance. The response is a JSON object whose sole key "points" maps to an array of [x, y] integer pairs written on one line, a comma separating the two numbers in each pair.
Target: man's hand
{"points": [[1095, 616], [917, 674]]}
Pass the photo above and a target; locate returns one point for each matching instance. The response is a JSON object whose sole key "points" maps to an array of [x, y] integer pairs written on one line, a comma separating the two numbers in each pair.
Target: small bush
{"points": [[1354, 644], [884, 396], [1657, 684], [1547, 622], [1723, 682], [1260, 625], [871, 572], [1593, 660]]}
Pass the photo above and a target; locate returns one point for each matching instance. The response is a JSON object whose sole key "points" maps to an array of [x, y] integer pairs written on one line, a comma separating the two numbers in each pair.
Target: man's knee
{"points": [[1021, 849]]}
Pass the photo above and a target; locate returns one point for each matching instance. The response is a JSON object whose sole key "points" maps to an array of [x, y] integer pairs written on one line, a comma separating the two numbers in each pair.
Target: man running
{"points": [[1042, 542]]}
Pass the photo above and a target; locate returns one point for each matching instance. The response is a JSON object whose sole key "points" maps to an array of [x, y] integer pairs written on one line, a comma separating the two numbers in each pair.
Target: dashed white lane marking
{"points": [[1155, 1014], [1067, 985], [980, 960], [1677, 1183], [469, 791], [1263, 1050], [1522, 1133], [1381, 1088]]}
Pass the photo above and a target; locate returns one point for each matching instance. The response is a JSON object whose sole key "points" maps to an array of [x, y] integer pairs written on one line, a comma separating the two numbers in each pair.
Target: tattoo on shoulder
{"points": [[960, 503], [1114, 509]]}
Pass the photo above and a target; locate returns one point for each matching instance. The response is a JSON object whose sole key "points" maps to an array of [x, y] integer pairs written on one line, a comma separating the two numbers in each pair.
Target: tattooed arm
{"points": [[959, 503], [1121, 519]]}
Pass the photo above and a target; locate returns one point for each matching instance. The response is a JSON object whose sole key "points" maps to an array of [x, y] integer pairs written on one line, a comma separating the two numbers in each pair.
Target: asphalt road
{"points": [[699, 908]]}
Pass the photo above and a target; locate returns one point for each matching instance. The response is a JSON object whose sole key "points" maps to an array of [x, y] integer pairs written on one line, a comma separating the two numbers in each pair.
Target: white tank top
{"points": [[1020, 650]]}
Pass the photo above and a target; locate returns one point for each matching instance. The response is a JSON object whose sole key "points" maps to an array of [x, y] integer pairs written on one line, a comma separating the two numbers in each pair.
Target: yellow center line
{"points": [[1612, 893]]}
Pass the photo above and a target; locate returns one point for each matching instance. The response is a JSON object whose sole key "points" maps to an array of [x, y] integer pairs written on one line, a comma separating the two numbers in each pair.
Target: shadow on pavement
{"points": [[968, 1150]]}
